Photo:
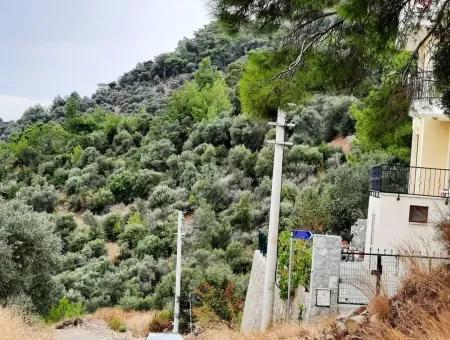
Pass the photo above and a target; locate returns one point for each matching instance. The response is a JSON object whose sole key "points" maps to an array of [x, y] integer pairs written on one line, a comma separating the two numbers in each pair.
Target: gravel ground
{"points": [[92, 330]]}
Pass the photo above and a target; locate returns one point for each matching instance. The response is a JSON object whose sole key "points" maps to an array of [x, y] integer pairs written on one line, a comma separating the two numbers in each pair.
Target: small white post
{"points": [[272, 238], [291, 250], [176, 313], [190, 313]]}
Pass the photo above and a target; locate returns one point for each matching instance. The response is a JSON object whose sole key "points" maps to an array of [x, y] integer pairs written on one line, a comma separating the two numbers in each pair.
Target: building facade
{"points": [[406, 202]]}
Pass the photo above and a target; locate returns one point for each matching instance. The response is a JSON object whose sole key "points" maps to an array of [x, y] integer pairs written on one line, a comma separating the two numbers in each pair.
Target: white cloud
{"points": [[12, 107]]}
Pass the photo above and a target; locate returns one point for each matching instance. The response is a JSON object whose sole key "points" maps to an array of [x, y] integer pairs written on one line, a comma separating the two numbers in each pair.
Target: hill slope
{"points": [[99, 181]]}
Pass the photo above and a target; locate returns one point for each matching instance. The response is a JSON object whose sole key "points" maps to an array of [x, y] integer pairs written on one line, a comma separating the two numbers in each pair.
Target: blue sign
{"points": [[302, 234]]}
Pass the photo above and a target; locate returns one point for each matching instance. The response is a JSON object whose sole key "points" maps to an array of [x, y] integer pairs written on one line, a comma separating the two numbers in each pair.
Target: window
{"points": [[418, 214]]}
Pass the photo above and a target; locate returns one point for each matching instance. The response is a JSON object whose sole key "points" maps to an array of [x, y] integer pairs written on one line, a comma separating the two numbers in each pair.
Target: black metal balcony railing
{"points": [[422, 86], [410, 180]]}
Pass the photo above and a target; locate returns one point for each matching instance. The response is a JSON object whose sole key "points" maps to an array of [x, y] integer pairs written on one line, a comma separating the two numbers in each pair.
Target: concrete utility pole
{"points": [[272, 239], [176, 313]]}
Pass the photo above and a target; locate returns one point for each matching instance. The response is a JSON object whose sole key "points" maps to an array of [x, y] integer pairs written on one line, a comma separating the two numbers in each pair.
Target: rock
{"points": [[360, 310], [341, 329], [69, 323], [354, 323]]}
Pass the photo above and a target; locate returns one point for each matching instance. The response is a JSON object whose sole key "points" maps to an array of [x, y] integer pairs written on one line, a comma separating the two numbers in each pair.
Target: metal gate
{"points": [[365, 275]]}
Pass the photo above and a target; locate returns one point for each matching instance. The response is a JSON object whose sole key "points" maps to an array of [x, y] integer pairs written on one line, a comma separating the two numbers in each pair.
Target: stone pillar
{"points": [[324, 282]]}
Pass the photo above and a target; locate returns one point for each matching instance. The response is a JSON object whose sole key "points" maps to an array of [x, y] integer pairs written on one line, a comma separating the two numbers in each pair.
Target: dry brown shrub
{"points": [[17, 325], [161, 322], [380, 306], [135, 321], [113, 251], [420, 310]]}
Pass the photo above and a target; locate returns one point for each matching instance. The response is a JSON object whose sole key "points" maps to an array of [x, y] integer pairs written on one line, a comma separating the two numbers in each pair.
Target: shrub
{"points": [[162, 195], [150, 245], [99, 200], [42, 198], [322, 119], [65, 310], [96, 284], [121, 185], [312, 210], [79, 238], [155, 155], [94, 248], [117, 325], [123, 141], [248, 132], [302, 258], [264, 162], [112, 226], [65, 225], [132, 234], [161, 322], [146, 180]]}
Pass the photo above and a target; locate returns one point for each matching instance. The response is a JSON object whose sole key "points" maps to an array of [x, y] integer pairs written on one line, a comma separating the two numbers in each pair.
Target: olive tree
{"points": [[30, 253]]}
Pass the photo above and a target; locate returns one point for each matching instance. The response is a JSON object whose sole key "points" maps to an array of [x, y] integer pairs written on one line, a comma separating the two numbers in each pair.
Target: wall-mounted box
{"points": [[323, 297]]}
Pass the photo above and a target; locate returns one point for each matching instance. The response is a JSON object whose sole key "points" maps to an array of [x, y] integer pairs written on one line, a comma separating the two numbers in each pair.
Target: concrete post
{"points": [[176, 312], [272, 239]]}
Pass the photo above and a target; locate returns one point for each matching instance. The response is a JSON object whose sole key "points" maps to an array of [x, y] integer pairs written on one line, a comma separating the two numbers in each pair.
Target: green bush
{"points": [[112, 226], [65, 310], [302, 258], [162, 321], [121, 185], [132, 234], [117, 325], [99, 200]]}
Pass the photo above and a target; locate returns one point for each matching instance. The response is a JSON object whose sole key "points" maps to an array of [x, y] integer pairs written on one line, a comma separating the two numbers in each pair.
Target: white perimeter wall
{"points": [[388, 225]]}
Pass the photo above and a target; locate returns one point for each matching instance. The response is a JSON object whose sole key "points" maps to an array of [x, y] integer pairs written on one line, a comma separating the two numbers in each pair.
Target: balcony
{"points": [[411, 180], [422, 86]]}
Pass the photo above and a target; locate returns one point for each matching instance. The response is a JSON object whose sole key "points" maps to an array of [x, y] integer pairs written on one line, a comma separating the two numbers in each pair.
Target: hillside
{"points": [[145, 89], [100, 179]]}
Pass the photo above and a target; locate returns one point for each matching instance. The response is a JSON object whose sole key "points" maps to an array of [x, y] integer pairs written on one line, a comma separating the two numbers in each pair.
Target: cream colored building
{"points": [[406, 202]]}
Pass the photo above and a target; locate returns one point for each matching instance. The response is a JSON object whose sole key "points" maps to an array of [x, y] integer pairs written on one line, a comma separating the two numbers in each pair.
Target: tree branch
{"points": [[302, 25], [433, 28], [306, 46]]}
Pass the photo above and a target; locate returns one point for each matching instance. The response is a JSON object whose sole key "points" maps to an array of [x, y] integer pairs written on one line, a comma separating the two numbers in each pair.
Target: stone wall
{"points": [[251, 319], [326, 260]]}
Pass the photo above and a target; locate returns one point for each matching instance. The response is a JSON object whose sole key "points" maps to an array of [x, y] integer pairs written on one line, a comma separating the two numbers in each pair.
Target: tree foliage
{"points": [[30, 254]]}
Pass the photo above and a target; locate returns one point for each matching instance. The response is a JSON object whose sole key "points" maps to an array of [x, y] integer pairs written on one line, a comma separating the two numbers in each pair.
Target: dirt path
{"points": [[92, 330]]}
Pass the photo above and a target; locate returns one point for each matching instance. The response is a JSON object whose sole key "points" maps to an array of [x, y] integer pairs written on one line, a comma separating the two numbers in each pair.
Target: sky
{"points": [[55, 47]]}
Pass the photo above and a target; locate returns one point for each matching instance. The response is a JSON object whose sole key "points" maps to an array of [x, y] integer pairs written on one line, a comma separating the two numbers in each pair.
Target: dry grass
{"points": [[284, 331], [16, 325], [112, 250], [380, 306], [134, 321]]}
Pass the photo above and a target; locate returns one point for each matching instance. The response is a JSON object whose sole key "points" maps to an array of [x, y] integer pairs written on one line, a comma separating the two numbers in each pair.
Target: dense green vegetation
{"points": [[94, 183]]}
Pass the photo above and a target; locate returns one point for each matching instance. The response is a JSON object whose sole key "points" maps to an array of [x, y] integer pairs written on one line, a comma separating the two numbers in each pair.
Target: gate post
{"points": [[379, 273], [324, 282]]}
